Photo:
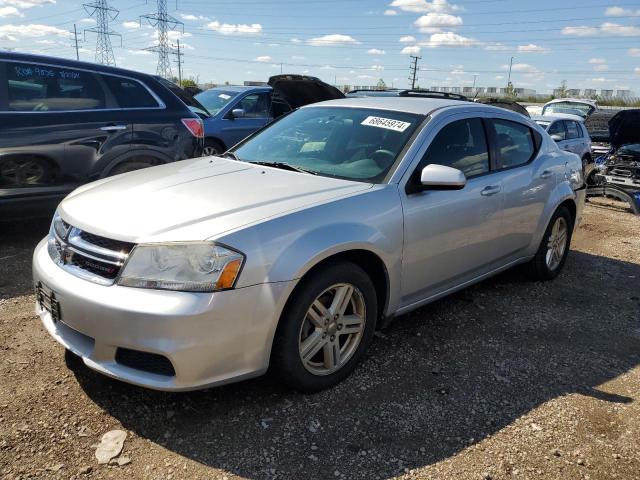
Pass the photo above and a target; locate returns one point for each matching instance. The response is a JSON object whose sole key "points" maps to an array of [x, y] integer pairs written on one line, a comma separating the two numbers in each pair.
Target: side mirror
{"points": [[556, 138], [237, 113], [441, 177]]}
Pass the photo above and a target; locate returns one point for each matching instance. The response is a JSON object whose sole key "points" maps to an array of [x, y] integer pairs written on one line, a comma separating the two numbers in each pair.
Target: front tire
{"points": [[554, 248], [325, 328]]}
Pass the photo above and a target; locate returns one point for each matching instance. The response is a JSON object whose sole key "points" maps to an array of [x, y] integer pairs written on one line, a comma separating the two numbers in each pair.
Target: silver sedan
{"points": [[292, 248]]}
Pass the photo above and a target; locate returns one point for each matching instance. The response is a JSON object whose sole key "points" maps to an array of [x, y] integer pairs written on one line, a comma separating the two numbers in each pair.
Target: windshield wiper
{"points": [[231, 154], [285, 166]]}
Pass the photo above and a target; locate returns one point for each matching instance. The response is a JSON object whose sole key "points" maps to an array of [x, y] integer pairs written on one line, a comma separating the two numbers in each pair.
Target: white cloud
{"points": [[601, 68], [190, 17], [88, 20], [296, 40], [235, 29], [595, 61], [621, 30], [364, 76], [634, 52], [522, 67], [499, 77], [599, 80], [376, 68], [263, 58], [375, 51], [10, 12], [448, 39], [621, 12], [413, 50], [532, 48], [390, 12], [580, 31], [297, 57], [423, 6], [407, 39], [14, 32], [139, 52], [333, 39], [497, 46], [433, 22], [131, 25], [27, 3], [637, 71]]}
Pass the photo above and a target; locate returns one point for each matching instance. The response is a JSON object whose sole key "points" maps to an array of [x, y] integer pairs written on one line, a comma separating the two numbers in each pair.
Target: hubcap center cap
{"points": [[332, 328]]}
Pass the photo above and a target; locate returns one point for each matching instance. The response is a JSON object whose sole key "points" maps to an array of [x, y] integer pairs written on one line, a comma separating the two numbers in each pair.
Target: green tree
{"points": [[189, 82], [381, 85]]}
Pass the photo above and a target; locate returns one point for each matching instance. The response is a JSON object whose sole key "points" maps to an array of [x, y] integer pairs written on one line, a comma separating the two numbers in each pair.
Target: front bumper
{"points": [[209, 338]]}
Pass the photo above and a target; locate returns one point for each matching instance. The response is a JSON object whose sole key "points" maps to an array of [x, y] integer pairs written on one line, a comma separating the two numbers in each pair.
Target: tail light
{"points": [[195, 126]]}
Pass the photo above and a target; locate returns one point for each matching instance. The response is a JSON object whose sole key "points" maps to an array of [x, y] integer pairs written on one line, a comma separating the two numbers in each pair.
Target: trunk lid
{"points": [[300, 90]]}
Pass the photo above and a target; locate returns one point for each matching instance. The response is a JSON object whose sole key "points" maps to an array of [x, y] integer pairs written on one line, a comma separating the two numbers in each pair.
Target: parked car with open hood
{"points": [[505, 103], [289, 251], [235, 112], [569, 132], [65, 123]]}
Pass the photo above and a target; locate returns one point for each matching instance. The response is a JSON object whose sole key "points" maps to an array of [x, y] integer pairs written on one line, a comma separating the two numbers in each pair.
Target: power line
{"points": [[103, 13], [163, 23]]}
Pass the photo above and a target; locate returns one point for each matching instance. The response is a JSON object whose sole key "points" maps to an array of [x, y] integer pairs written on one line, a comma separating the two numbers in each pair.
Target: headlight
{"points": [[186, 266]]}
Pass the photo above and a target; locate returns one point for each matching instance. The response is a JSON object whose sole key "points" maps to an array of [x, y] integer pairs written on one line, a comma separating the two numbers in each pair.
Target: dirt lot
{"points": [[508, 379]]}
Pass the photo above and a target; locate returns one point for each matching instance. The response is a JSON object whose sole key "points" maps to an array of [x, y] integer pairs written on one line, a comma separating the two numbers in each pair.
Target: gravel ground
{"points": [[507, 379]]}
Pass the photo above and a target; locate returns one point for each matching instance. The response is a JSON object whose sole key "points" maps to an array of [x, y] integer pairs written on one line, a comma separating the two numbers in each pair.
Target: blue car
{"points": [[235, 112]]}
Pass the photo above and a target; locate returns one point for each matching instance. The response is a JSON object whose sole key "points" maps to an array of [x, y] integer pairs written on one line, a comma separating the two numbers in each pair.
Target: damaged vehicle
{"points": [[291, 249], [232, 113], [569, 132], [617, 175]]}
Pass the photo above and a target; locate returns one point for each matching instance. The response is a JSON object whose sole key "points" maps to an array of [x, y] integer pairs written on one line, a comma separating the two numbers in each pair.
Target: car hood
{"points": [[195, 199], [507, 104], [624, 128], [300, 90]]}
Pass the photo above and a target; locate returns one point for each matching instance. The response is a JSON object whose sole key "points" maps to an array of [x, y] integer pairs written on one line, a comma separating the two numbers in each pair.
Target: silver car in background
{"points": [[570, 133], [291, 249]]}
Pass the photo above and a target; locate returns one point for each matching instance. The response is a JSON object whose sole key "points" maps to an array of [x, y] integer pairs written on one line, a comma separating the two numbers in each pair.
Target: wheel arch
{"points": [[158, 157], [215, 139]]}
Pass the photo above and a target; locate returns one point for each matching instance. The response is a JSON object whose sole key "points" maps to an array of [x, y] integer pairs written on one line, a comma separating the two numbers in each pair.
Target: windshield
{"points": [[574, 108], [351, 143], [214, 100]]}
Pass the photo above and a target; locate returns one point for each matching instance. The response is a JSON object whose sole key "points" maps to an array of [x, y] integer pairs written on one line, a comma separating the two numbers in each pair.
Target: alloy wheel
{"points": [[22, 172], [557, 243], [332, 329]]}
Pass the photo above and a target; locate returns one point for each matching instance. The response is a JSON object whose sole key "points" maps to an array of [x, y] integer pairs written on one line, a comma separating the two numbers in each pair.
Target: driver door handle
{"points": [[546, 174], [490, 190], [113, 128]]}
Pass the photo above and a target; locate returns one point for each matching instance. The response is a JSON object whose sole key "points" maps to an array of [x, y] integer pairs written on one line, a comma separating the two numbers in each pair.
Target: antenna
{"points": [[163, 23], [103, 14]]}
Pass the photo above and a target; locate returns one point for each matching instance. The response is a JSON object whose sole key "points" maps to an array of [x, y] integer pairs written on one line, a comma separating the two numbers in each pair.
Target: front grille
{"points": [[147, 362], [87, 255]]}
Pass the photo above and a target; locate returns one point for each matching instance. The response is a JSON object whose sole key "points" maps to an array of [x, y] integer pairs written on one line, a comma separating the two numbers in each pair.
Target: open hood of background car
{"points": [[624, 128], [300, 90], [507, 104]]}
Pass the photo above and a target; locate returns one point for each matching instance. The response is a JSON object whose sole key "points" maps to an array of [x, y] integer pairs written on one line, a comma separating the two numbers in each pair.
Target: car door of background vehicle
{"points": [[61, 118], [256, 108], [574, 140], [451, 235], [558, 130], [527, 182]]}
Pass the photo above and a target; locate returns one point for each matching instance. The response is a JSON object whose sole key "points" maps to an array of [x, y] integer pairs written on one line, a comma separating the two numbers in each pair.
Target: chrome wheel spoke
{"points": [[317, 314], [332, 355], [341, 300], [312, 345], [351, 324]]}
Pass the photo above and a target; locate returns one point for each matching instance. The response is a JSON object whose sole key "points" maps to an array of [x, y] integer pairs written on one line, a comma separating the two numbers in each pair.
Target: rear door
{"points": [[575, 140], [57, 123]]}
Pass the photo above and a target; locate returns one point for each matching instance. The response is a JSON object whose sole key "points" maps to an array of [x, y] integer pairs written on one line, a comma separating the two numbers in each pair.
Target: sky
{"points": [[588, 43]]}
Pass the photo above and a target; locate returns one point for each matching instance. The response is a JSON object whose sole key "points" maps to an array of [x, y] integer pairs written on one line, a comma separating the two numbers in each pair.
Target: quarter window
{"points": [[557, 129], [129, 93], [461, 144], [39, 88], [514, 143]]}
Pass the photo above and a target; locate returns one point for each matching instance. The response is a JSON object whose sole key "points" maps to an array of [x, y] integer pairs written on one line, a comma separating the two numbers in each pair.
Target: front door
{"points": [[256, 108], [451, 235]]}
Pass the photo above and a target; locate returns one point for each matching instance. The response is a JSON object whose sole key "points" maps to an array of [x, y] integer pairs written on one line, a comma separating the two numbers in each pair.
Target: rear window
{"points": [[40, 88], [129, 93]]}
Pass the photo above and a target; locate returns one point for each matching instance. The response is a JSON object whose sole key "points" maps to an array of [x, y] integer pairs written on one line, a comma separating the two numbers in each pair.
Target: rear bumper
{"points": [[210, 339]]}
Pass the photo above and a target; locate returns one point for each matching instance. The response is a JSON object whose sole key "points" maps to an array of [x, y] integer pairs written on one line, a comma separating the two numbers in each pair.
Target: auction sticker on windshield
{"points": [[388, 123]]}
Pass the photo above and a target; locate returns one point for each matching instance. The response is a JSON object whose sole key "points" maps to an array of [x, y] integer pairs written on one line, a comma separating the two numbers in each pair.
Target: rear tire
{"points": [[132, 165], [212, 147], [325, 328], [554, 247]]}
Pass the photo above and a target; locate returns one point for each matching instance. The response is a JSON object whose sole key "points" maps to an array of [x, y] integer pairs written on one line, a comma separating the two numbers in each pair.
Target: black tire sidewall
{"points": [[286, 362], [215, 145], [544, 271]]}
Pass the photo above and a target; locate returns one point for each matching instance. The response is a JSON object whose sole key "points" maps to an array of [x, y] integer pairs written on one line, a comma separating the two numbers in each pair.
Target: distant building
{"points": [[606, 93], [254, 83], [492, 90], [623, 94], [573, 92], [590, 92]]}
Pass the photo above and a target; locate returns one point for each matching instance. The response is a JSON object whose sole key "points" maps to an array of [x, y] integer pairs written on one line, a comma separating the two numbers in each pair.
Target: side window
{"points": [[573, 129], [39, 88], [255, 105], [557, 128], [514, 143], [461, 144], [129, 93]]}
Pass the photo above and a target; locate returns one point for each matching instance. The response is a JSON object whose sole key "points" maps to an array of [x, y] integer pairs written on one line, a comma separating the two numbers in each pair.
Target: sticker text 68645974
{"points": [[388, 123]]}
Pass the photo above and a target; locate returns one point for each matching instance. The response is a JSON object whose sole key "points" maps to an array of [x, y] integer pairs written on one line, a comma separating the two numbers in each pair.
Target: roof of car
{"points": [[558, 116], [421, 106], [241, 88]]}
